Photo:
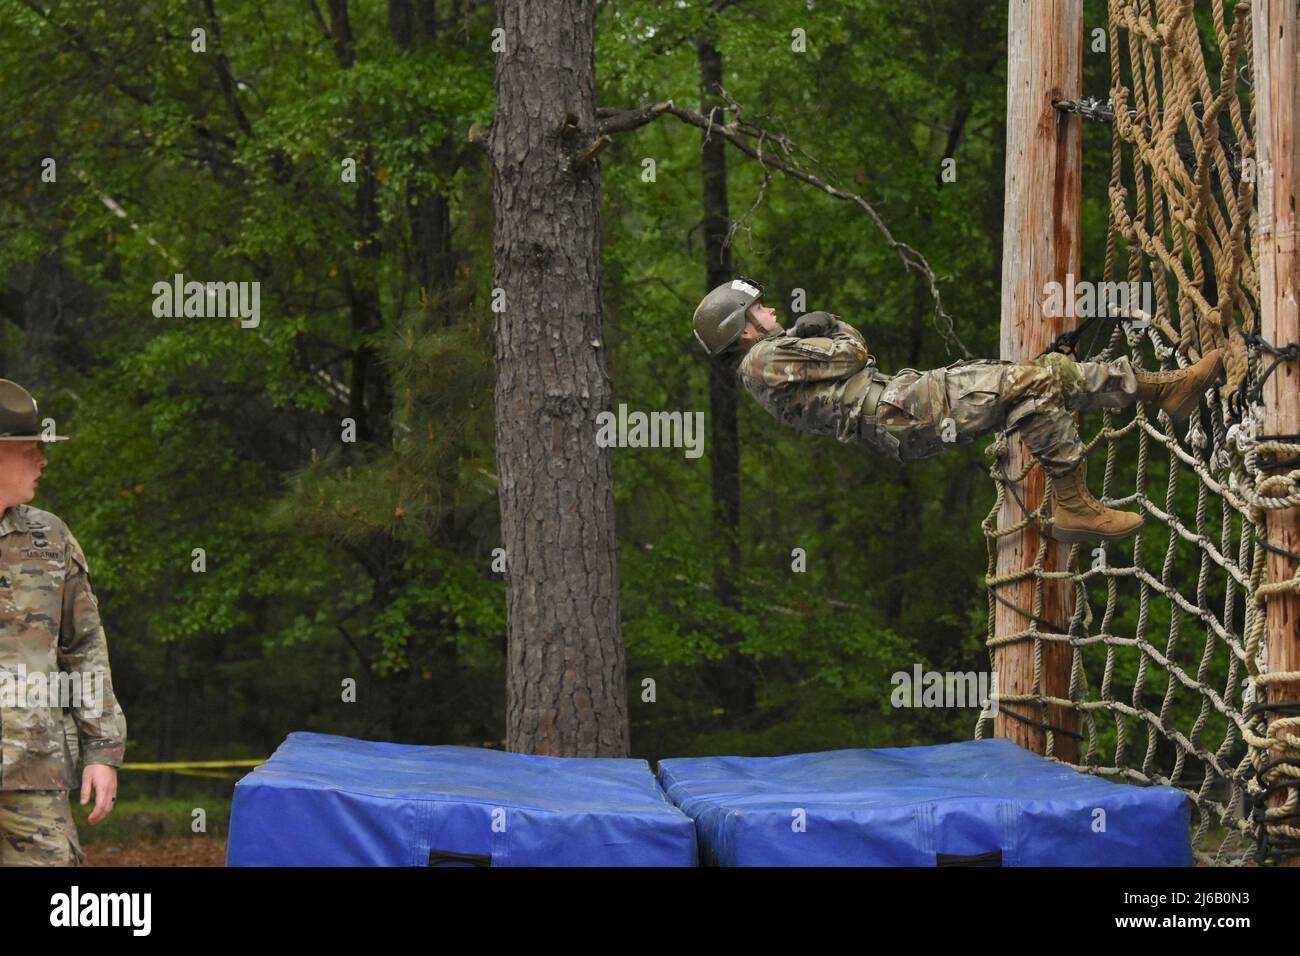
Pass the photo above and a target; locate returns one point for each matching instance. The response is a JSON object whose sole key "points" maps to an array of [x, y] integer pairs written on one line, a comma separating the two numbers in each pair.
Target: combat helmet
{"points": [[18, 418], [720, 317]]}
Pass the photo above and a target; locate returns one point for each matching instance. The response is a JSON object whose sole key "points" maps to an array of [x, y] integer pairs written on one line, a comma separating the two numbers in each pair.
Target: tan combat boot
{"points": [[1176, 393], [1077, 516]]}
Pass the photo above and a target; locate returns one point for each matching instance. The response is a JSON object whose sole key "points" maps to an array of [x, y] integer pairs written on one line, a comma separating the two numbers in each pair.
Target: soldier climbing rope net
{"points": [[1182, 214]]}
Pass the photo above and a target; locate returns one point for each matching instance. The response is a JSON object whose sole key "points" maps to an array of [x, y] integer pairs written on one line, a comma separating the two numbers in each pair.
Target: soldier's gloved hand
{"points": [[814, 325]]}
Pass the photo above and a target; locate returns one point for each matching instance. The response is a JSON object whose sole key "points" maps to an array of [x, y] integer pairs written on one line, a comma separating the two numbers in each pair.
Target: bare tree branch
{"points": [[741, 135], [79, 41], [224, 77], [622, 121], [136, 93], [320, 19], [743, 221]]}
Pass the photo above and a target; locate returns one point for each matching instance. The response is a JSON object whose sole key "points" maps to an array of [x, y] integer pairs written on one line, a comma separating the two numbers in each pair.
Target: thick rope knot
{"points": [[1278, 486], [1241, 436]]}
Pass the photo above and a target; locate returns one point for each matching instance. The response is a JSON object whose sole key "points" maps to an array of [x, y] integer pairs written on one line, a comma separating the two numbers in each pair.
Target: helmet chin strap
{"points": [[762, 332]]}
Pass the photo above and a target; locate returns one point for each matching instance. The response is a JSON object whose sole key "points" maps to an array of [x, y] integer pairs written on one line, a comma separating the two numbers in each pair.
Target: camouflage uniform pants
{"points": [[926, 413], [37, 829]]}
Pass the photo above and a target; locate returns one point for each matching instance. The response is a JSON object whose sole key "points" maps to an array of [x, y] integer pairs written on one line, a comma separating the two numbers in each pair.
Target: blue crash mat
{"points": [[323, 800], [979, 802]]}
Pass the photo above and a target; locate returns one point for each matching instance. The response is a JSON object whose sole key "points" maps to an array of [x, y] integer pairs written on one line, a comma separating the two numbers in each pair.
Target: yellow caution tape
{"points": [[214, 774], [182, 765]]}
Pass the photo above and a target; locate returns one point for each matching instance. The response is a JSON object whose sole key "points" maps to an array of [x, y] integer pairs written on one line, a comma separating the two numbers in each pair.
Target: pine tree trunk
{"points": [[566, 676], [728, 682], [432, 259]]}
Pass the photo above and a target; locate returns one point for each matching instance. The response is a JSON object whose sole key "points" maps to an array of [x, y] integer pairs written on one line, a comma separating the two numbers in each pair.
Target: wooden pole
{"points": [[1277, 117], [1040, 245]]}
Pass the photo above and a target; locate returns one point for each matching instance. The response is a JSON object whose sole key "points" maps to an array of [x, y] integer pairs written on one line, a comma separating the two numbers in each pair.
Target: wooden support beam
{"points": [[1040, 245], [1277, 118]]}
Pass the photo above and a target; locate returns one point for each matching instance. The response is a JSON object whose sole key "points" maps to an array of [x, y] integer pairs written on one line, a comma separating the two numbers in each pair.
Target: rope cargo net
{"points": [[1168, 632]]}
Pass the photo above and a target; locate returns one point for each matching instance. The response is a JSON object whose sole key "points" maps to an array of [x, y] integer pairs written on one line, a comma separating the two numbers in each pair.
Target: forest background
{"points": [[372, 560]]}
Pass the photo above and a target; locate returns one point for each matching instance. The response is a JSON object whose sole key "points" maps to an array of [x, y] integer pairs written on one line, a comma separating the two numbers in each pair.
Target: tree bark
{"points": [[727, 681], [566, 675], [371, 400], [432, 259]]}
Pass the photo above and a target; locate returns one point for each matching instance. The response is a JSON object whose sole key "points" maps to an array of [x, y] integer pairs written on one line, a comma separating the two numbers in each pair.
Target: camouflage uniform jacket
{"points": [[49, 625], [819, 385]]}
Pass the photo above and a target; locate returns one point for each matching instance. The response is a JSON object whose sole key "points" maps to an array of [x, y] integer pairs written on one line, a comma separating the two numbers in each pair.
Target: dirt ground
{"points": [[166, 851]]}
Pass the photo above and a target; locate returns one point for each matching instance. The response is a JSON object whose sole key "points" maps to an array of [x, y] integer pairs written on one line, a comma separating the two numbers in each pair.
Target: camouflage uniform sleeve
{"points": [[83, 648], [789, 360]]}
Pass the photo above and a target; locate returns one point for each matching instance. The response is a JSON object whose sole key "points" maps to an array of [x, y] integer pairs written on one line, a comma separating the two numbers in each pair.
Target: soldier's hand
{"points": [[103, 780], [814, 325]]}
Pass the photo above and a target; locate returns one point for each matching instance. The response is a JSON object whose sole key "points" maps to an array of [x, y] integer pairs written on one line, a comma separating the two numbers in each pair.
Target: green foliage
{"points": [[371, 560]]}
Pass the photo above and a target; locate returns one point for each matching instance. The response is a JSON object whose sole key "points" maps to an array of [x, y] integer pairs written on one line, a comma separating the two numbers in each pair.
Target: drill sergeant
{"points": [[51, 642], [820, 378]]}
